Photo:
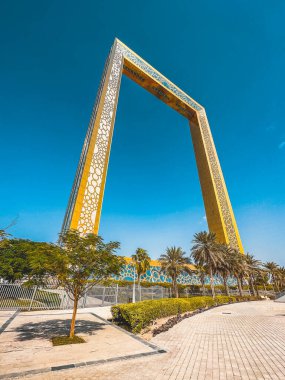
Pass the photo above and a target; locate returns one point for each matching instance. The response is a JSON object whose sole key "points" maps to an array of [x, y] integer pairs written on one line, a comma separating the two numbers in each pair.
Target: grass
{"points": [[42, 299], [21, 303], [63, 340]]}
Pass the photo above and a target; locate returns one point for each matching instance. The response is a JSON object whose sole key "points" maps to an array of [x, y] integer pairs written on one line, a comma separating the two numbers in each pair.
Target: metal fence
{"points": [[17, 296]]}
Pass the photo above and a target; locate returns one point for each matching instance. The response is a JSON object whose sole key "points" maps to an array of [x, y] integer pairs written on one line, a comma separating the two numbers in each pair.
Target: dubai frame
{"points": [[85, 203]]}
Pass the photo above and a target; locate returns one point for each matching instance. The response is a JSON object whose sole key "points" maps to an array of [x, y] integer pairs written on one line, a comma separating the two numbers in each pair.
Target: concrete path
{"points": [[25, 345], [241, 341]]}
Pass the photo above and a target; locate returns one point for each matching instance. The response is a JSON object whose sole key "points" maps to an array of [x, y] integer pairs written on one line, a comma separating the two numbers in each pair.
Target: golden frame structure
{"points": [[85, 202]]}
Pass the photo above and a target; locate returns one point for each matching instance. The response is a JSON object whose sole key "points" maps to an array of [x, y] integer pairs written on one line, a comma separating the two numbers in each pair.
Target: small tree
{"points": [[78, 263], [173, 262], [141, 262]]}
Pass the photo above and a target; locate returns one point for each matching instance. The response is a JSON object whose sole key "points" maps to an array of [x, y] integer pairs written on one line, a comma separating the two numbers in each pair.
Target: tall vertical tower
{"points": [[85, 203]]}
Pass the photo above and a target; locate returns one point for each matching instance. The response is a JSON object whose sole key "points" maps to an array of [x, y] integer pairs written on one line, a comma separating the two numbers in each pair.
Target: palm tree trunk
{"points": [[226, 285], [274, 282], [251, 286], [175, 288], [203, 285], [257, 291], [72, 324], [212, 283], [239, 286], [139, 286]]}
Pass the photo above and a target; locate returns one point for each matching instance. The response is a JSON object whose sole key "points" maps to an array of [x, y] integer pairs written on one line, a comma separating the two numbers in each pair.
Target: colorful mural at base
{"points": [[154, 274]]}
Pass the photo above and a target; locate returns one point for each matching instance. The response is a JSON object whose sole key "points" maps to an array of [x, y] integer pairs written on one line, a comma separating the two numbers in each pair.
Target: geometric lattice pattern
{"points": [[85, 203], [154, 274], [96, 171]]}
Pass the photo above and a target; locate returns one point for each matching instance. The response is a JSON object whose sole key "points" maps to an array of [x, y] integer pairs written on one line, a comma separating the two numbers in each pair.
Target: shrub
{"points": [[141, 314]]}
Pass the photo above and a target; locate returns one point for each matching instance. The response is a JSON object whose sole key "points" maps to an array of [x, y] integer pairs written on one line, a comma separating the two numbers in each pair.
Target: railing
{"points": [[17, 296]]}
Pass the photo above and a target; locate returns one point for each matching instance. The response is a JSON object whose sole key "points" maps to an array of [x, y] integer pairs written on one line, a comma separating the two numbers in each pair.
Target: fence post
{"points": [[33, 297], [103, 297], [63, 297], [116, 294], [84, 300]]}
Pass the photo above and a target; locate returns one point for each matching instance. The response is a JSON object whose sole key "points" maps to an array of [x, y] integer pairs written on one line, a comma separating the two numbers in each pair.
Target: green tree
{"points": [[239, 267], [224, 265], [4, 236], [173, 262], [141, 262], [201, 271], [254, 270], [272, 268], [206, 252], [281, 277], [16, 256], [78, 263]]}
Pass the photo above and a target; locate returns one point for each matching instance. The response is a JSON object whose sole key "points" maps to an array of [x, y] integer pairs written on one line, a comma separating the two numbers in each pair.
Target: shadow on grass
{"points": [[55, 327]]}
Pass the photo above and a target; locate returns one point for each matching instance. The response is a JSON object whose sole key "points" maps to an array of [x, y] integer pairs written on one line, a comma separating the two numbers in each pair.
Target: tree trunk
{"points": [[257, 291], [203, 285], [239, 286], [139, 286], [72, 325], [226, 285], [275, 284], [251, 286], [212, 283], [175, 288]]}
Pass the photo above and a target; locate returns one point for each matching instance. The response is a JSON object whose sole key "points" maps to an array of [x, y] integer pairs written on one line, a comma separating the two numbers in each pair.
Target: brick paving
{"points": [[241, 341]]}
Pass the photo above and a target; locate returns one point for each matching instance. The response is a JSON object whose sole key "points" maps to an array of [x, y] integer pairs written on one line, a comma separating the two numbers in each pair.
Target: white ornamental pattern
{"points": [[218, 181], [79, 171], [93, 192], [95, 184], [159, 78]]}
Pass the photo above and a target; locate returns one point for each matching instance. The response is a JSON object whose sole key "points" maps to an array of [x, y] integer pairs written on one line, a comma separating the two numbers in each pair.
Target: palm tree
{"points": [[205, 252], [141, 262], [173, 262], [281, 277], [239, 267], [254, 270], [224, 266], [201, 271], [272, 269]]}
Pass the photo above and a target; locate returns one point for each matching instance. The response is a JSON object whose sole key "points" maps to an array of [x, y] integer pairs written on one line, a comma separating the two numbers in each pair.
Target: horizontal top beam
{"points": [[153, 81]]}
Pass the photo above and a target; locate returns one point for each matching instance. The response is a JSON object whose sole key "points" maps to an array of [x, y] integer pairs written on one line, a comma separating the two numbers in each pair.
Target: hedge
{"points": [[141, 314]]}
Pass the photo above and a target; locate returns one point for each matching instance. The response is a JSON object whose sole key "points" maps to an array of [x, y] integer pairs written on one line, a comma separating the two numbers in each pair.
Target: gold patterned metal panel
{"points": [[85, 203]]}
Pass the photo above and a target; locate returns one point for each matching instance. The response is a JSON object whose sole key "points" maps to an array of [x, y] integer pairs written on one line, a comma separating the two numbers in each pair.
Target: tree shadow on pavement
{"points": [[55, 327]]}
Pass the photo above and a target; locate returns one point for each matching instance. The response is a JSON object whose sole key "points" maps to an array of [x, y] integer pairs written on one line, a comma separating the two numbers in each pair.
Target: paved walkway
{"points": [[25, 345], [241, 341]]}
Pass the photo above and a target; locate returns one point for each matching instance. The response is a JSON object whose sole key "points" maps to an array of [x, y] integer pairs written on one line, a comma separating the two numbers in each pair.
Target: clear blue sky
{"points": [[228, 55]]}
